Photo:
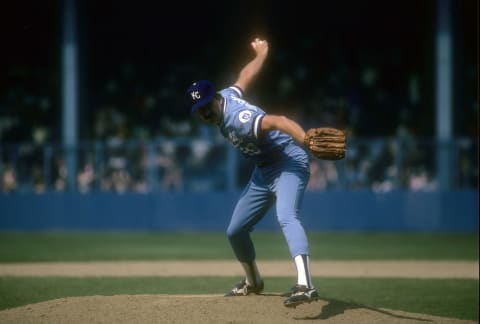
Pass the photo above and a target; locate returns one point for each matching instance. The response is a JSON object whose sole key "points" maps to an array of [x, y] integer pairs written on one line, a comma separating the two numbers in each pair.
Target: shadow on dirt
{"points": [[335, 307]]}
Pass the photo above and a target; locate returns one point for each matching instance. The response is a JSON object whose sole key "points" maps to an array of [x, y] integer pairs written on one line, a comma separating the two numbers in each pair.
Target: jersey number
{"points": [[248, 148]]}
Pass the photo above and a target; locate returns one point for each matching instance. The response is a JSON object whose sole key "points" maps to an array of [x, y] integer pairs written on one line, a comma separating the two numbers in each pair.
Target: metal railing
{"points": [[198, 165]]}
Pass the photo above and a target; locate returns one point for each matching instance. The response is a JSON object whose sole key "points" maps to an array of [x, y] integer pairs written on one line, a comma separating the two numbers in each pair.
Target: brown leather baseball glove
{"points": [[326, 143]]}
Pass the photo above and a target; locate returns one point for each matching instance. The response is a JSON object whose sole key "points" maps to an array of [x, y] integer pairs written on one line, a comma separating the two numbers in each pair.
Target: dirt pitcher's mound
{"points": [[265, 309]]}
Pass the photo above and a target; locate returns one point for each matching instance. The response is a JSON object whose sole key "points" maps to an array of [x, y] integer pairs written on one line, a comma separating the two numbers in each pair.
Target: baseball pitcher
{"points": [[280, 150]]}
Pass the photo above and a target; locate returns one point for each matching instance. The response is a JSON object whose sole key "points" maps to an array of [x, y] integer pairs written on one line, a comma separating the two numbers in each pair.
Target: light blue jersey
{"points": [[241, 126]]}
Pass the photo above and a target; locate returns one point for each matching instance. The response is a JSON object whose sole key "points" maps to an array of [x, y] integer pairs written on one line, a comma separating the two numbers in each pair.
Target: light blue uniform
{"points": [[280, 177]]}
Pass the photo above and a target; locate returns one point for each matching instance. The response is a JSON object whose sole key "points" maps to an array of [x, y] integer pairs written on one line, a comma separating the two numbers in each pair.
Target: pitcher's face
{"points": [[210, 113]]}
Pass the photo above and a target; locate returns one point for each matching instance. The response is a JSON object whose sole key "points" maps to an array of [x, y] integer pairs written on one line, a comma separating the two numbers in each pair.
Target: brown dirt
{"points": [[265, 309], [403, 269]]}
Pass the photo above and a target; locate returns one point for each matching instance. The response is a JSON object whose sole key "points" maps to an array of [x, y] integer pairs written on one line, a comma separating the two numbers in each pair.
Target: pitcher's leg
{"points": [[289, 191], [251, 207]]}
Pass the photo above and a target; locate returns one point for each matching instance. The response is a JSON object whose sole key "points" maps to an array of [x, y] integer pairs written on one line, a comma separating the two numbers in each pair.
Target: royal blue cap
{"points": [[201, 93]]}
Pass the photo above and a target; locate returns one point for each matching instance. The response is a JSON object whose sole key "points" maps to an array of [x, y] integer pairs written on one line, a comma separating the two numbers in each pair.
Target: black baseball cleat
{"points": [[242, 289], [300, 294]]}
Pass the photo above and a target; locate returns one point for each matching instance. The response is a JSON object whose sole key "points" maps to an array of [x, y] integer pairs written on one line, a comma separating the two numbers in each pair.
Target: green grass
{"points": [[66, 246], [443, 297], [455, 298]]}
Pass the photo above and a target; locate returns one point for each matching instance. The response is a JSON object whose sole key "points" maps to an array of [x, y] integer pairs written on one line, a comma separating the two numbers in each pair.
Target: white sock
{"points": [[302, 262], [252, 275]]}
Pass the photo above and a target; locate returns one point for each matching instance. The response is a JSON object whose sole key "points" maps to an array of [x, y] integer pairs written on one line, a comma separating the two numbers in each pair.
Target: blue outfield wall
{"points": [[455, 211]]}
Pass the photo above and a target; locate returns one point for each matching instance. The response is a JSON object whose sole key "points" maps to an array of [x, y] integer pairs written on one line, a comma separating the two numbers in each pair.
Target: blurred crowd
{"points": [[137, 134], [200, 165]]}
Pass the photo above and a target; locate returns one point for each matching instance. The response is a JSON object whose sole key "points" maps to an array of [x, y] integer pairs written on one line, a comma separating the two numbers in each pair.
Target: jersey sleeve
{"points": [[245, 118], [248, 122], [234, 91]]}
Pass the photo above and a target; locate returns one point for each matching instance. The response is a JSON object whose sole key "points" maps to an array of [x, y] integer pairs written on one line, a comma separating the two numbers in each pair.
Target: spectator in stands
{"points": [[9, 178]]}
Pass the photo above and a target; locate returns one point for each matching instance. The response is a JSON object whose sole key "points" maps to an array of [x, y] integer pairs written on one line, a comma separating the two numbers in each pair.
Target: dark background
{"points": [[136, 58]]}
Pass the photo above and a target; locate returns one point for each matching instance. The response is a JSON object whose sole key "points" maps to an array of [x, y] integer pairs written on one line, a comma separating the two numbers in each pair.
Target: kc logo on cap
{"points": [[195, 95], [201, 93]]}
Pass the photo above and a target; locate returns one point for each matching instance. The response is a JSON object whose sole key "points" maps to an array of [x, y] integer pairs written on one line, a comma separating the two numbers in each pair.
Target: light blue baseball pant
{"points": [[283, 184]]}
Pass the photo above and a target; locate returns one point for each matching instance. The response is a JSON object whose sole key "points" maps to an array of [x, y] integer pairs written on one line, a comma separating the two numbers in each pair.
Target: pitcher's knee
{"points": [[233, 233], [287, 220]]}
